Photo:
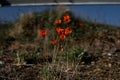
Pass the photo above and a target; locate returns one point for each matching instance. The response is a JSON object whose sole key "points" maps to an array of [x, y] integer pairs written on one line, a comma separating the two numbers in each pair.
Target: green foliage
{"points": [[50, 73], [74, 54], [77, 54], [29, 58]]}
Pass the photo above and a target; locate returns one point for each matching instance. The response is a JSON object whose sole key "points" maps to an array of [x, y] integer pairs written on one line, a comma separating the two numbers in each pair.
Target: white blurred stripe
{"points": [[65, 3]]}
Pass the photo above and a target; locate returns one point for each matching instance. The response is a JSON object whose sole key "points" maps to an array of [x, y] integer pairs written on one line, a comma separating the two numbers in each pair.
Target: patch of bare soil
{"points": [[105, 65]]}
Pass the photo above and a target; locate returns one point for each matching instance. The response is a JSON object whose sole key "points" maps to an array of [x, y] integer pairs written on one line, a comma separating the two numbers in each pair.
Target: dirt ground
{"points": [[106, 66]]}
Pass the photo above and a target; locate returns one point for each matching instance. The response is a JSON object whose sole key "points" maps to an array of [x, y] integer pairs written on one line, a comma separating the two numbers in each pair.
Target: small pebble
{"points": [[109, 54], [109, 65], [1, 62]]}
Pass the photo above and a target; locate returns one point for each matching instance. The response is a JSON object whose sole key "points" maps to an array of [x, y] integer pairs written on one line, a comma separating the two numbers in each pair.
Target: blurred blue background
{"points": [[108, 14]]}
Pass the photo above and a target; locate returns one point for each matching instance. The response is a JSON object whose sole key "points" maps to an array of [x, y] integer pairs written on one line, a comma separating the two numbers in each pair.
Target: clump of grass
{"points": [[51, 73], [75, 54]]}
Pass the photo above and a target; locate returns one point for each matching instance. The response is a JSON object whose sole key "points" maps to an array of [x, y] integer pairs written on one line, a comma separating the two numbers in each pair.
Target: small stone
{"points": [[103, 53], [98, 69], [92, 62], [109, 54], [109, 65], [1, 62]]}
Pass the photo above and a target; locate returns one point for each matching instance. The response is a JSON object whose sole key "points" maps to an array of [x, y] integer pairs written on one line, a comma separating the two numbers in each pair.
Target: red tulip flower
{"points": [[67, 19], [62, 37], [43, 33], [58, 21], [54, 42], [59, 30], [68, 31]]}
